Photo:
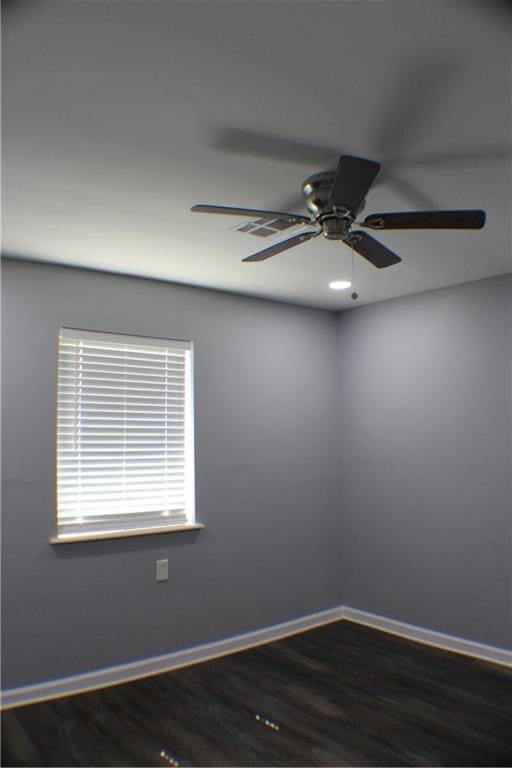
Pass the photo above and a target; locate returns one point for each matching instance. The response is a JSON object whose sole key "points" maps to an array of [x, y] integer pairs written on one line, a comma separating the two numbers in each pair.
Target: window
{"points": [[124, 435]]}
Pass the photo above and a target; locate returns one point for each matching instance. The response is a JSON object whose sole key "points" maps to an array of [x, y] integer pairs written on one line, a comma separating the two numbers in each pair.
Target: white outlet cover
{"points": [[162, 570]]}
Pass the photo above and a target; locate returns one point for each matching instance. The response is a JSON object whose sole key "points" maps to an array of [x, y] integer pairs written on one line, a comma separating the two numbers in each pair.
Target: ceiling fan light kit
{"points": [[334, 200]]}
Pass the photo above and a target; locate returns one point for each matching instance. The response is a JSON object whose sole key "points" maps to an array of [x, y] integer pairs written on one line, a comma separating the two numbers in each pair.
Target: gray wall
{"points": [[266, 477], [425, 409], [362, 459]]}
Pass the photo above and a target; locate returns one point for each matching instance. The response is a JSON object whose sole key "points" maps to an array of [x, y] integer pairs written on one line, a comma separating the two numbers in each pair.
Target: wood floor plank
{"points": [[339, 695]]}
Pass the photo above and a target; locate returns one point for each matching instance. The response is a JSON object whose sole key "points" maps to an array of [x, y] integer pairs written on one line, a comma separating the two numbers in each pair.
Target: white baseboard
{"points": [[123, 673], [430, 637]]}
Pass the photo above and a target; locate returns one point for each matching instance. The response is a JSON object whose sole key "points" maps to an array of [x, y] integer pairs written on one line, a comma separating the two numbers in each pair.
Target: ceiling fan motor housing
{"points": [[317, 194], [317, 191]]}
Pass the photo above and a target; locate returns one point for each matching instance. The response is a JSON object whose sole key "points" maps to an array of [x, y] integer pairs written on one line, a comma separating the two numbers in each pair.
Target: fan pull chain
{"points": [[353, 295]]}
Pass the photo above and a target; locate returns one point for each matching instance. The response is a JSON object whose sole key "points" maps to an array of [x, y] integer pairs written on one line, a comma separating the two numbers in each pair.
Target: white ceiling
{"points": [[119, 115]]}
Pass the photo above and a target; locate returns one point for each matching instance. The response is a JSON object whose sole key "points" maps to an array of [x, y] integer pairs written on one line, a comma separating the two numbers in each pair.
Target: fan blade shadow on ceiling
{"points": [[410, 106], [407, 120], [269, 147], [480, 155], [498, 8], [14, 8], [409, 193], [502, 7], [410, 111], [292, 203]]}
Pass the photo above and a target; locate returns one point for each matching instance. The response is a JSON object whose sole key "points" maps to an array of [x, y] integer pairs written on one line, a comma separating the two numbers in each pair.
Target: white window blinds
{"points": [[124, 434]]}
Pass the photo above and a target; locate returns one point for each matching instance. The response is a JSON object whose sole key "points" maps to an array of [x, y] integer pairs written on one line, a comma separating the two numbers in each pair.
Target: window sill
{"points": [[74, 539]]}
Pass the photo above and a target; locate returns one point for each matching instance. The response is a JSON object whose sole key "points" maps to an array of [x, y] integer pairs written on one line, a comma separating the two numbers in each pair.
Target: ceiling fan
{"points": [[334, 199]]}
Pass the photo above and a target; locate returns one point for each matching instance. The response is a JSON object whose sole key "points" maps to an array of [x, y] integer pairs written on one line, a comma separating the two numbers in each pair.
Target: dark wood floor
{"points": [[335, 696]]}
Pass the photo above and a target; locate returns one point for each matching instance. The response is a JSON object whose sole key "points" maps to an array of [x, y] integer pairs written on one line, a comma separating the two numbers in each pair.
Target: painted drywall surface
{"points": [[266, 477], [420, 532], [425, 421]]}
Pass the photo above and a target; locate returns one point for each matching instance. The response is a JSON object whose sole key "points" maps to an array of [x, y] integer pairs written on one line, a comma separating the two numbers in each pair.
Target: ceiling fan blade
{"points": [[354, 177], [371, 249], [282, 246], [292, 217], [426, 220]]}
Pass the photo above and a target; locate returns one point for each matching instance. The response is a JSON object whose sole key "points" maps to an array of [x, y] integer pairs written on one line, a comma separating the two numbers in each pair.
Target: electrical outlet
{"points": [[162, 570]]}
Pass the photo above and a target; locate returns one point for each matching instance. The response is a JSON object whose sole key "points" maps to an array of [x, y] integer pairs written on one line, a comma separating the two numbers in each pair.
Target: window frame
{"points": [[136, 340]]}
